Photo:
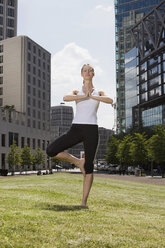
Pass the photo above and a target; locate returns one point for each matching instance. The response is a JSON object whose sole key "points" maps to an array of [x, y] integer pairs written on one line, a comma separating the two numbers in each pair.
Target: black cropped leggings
{"points": [[86, 133]]}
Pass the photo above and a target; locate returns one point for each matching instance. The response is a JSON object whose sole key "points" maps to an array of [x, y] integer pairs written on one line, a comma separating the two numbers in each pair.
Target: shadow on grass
{"points": [[61, 208]]}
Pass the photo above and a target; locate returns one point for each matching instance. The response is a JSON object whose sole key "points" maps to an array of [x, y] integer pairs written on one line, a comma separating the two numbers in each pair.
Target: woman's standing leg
{"points": [[90, 146]]}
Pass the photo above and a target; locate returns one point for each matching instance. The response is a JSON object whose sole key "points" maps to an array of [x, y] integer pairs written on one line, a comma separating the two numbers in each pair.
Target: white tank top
{"points": [[86, 110]]}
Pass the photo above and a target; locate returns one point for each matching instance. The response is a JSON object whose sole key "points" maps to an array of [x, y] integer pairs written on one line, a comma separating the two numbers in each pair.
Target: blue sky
{"points": [[74, 32]]}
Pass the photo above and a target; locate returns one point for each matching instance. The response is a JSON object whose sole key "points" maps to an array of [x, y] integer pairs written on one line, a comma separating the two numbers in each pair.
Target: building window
{"points": [[34, 81], [28, 123], [1, 48], [1, 1], [39, 125], [34, 70], [39, 94], [10, 12], [29, 79], [1, 91], [29, 45], [29, 112], [39, 104], [1, 80], [3, 159], [11, 3], [34, 59], [43, 145], [29, 89], [34, 49], [34, 91], [29, 56], [28, 142], [34, 143], [29, 68], [10, 33], [1, 102], [13, 137], [1, 31], [1, 9], [29, 101], [10, 23], [34, 124], [39, 52], [1, 20], [1, 69], [3, 138], [155, 92], [34, 113], [22, 142], [1, 59]]}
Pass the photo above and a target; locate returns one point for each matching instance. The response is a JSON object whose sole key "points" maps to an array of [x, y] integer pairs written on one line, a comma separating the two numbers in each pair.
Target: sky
{"points": [[75, 32]]}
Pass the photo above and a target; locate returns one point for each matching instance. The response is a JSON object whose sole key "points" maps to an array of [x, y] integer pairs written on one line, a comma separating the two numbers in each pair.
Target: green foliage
{"points": [[123, 153], [112, 147], [156, 145], [38, 157], [138, 149], [26, 156], [14, 155]]}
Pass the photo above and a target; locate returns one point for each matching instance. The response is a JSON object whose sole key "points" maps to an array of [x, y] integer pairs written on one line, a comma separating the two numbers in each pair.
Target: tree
{"points": [[112, 147], [14, 156], [156, 147], [38, 157], [123, 153], [26, 157], [138, 149]]}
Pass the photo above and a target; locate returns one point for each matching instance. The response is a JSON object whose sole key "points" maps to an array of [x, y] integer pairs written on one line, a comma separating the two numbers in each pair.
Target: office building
{"points": [[145, 71], [25, 80], [25, 90], [8, 18], [127, 14]]}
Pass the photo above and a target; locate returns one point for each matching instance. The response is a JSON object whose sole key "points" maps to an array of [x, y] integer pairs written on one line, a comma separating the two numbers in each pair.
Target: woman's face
{"points": [[87, 72]]}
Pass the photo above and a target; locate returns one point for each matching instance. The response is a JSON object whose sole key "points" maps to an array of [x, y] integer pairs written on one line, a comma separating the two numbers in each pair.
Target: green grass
{"points": [[44, 212]]}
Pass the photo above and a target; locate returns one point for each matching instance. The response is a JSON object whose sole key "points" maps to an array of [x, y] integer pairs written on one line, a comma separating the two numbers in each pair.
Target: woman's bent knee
{"points": [[50, 152]]}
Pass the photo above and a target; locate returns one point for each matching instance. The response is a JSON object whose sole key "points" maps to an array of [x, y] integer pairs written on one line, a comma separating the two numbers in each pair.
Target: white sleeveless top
{"points": [[86, 110]]}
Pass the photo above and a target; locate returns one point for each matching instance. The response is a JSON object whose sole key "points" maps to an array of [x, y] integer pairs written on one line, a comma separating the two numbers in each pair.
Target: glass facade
{"points": [[131, 83], [127, 14], [152, 116]]}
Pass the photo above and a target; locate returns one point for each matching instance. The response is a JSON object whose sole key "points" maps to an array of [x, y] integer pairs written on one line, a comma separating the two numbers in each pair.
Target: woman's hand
{"points": [[73, 96], [102, 97]]}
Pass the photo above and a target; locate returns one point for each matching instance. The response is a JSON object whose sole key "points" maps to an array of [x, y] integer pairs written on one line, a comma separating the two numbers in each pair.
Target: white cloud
{"points": [[66, 76], [103, 8]]}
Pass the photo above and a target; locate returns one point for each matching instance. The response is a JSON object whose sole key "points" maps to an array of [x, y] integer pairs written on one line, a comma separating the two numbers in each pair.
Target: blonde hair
{"points": [[87, 65]]}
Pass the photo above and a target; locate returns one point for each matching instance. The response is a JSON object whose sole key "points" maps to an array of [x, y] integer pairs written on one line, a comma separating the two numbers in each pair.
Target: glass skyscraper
{"points": [[127, 14]]}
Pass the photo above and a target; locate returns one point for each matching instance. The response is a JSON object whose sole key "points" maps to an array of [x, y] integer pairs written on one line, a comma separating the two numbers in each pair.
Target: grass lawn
{"points": [[44, 212]]}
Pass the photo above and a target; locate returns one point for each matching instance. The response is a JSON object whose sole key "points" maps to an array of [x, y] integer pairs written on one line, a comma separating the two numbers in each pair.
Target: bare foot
{"points": [[81, 166]]}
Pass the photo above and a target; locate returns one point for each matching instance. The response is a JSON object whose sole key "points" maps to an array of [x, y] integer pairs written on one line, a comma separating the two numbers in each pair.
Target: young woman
{"points": [[84, 129]]}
